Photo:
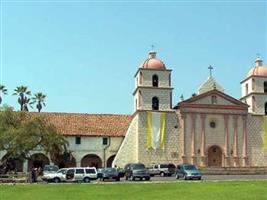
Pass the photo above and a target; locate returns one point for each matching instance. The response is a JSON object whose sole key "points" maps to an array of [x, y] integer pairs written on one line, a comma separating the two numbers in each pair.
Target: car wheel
{"points": [[56, 180], [162, 174], [117, 179], [199, 178], [147, 178], [86, 180], [185, 177]]}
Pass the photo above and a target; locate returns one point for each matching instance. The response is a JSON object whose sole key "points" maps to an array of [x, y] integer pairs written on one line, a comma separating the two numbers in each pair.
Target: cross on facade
{"points": [[258, 55], [152, 47], [210, 68]]}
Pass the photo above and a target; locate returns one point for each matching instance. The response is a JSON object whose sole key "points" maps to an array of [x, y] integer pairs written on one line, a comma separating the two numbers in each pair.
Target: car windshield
{"points": [[190, 167], [51, 168], [62, 171], [110, 170], [139, 166]]}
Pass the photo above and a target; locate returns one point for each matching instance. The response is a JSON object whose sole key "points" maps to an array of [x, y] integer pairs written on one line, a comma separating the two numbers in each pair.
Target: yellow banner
{"points": [[156, 125], [264, 133]]}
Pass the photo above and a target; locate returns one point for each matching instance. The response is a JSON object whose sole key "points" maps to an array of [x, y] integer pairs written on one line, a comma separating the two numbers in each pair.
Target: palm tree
{"points": [[23, 100], [3, 90], [39, 100]]}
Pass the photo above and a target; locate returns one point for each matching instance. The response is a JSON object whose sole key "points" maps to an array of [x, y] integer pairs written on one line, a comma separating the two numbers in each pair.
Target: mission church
{"points": [[210, 129]]}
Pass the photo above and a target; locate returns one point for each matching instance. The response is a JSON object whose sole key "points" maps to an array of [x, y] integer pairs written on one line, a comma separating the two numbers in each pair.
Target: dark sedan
{"points": [[110, 173]]}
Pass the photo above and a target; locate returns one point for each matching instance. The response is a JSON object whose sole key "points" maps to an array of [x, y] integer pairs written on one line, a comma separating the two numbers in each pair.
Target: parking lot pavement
{"points": [[205, 178]]}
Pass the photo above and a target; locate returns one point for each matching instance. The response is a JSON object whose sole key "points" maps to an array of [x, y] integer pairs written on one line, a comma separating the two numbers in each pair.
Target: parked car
{"points": [[56, 177], [85, 174], [136, 170], [110, 173], [162, 169], [50, 169], [188, 171]]}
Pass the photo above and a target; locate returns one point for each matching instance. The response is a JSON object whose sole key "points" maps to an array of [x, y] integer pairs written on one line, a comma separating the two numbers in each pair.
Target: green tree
{"points": [[23, 100], [39, 100], [3, 90], [21, 133]]}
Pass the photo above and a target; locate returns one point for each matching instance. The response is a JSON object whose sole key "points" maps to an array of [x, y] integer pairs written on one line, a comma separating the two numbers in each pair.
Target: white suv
{"points": [[85, 174]]}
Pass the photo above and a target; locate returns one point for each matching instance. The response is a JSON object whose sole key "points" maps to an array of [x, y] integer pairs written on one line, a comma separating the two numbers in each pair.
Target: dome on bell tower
{"points": [[258, 70], [152, 62]]}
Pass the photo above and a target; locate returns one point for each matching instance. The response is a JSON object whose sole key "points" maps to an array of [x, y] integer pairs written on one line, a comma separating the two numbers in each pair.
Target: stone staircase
{"points": [[233, 170]]}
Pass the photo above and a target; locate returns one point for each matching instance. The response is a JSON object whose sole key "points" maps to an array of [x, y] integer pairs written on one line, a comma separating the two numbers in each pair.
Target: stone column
{"points": [[226, 141], [245, 147], [203, 140], [183, 116], [193, 139], [236, 159]]}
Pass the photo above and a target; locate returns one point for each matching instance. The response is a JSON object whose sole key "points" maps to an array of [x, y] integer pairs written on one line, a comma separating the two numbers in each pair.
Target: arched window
{"points": [[213, 99], [253, 104], [253, 84], [246, 89], [265, 87], [140, 79], [155, 80], [266, 108], [155, 103]]}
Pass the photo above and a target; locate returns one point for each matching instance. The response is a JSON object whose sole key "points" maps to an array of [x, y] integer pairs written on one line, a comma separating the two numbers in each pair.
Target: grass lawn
{"points": [[149, 191]]}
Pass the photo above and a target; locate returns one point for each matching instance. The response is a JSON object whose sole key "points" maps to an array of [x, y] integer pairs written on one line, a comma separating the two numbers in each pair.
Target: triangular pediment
{"points": [[214, 98]]}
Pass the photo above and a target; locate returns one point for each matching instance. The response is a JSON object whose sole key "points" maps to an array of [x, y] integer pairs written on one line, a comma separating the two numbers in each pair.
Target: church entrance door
{"points": [[215, 156]]}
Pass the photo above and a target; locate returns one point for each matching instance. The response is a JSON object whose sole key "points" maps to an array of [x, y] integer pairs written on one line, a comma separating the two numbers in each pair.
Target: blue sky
{"points": [[84, 54]]}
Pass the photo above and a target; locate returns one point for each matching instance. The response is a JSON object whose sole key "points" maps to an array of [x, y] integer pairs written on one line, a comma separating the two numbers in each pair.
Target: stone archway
{"points": [[38, 160], [215, 156], [91, 160], [66, 160], [110, 160], [13, 164]]}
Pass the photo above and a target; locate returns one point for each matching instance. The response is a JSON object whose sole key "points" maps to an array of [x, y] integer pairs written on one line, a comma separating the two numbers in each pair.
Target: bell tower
{"points": [[254, 88], [153, 89]]}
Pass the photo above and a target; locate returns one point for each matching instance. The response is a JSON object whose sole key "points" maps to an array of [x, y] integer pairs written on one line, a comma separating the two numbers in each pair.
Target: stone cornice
{"points": [[151, 87], [145, 69], [252, 76], [253, 93]]}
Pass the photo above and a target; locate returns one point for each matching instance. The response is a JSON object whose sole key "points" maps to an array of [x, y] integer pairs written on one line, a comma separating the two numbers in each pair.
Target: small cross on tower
{"points": [[210, 68], [152, 47]]}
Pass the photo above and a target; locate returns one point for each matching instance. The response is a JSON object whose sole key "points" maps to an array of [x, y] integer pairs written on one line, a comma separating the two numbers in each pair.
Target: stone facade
{"points": [[128, 151], [172, 151], [257, 157]]}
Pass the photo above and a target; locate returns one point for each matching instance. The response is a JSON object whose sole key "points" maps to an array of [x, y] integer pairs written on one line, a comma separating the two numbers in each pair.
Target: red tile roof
{"points": [[72, 124]]}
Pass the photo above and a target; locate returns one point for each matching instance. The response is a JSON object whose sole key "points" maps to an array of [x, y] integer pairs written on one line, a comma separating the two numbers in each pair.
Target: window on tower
{"points": [[155, 103], [253, 104], [155, 80], [266, 108], [253, 84], [265, 87], [246, 89]]}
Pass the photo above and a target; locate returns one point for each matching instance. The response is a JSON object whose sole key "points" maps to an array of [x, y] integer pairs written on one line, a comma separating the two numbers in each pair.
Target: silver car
{"points": [[56, 177]]}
